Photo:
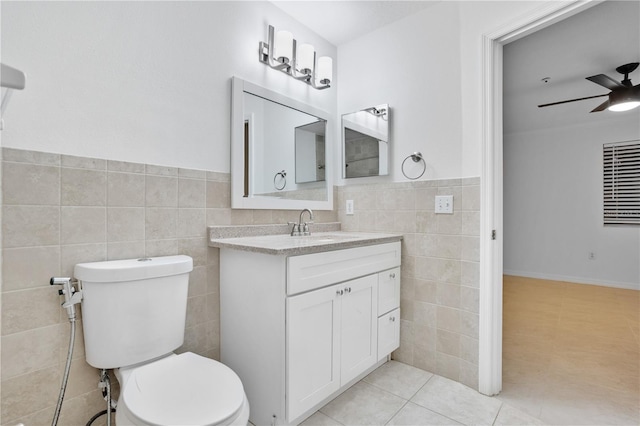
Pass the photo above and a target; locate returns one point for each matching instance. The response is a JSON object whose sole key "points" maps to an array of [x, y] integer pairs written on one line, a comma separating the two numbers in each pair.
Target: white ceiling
{"points": [[593, 42], [341, 21]]}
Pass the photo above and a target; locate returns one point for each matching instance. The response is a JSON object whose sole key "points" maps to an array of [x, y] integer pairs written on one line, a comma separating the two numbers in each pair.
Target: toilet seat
{"points": [[185, 389]]}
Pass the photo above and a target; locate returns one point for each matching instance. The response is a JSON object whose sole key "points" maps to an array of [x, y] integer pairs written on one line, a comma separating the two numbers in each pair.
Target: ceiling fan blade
{"points": [[571, 100], [601, 107], [606, 81]]}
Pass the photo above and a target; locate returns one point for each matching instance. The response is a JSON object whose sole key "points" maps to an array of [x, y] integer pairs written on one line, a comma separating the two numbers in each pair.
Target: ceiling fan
{"points": [[623, 96]]}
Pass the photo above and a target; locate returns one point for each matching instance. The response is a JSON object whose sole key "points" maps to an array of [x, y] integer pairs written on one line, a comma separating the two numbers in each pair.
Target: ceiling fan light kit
{"points": [[624, 96], [624, 100]]}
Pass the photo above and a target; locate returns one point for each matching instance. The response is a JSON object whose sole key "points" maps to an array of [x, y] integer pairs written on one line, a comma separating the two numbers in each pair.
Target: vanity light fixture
{"points": [[378, 112], [281, 52]]}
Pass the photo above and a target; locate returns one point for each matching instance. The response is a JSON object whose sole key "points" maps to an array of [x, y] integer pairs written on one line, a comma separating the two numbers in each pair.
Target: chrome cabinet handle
{"points": [[392, 319], [348, 289], [339, 292], [392, 275]]}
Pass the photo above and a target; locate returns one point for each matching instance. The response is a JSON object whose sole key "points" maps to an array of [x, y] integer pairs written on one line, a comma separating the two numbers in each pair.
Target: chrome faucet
{"points": [[301, 228]]}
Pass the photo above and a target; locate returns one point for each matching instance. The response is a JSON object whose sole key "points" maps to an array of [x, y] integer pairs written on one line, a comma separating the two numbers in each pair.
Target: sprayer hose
{"points": [[65, 378], [97, 415]]}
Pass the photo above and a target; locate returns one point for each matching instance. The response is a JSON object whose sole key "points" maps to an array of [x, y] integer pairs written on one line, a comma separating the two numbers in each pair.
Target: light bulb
{"points": [[305, 57], [624, 106], [324, 72], [283, 47]]}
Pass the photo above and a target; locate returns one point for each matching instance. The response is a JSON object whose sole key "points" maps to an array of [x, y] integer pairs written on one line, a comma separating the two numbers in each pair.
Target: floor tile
{"points": [[319, 419], [399, 379], [509, 416], [415, 415], [457, 401], [525, 398], [364, 404]]}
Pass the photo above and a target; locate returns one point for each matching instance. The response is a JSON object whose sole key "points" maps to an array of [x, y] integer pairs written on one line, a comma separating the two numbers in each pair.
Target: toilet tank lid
{"points": [[133, 269]]}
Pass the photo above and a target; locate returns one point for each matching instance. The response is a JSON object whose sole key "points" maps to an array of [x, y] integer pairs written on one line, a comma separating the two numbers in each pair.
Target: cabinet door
{"points": [[388, 290], [359, 335], [312, 349], [388, 333]]}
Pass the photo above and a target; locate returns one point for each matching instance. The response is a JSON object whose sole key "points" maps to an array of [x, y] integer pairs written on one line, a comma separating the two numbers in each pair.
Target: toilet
{"points": [[133, 317]]}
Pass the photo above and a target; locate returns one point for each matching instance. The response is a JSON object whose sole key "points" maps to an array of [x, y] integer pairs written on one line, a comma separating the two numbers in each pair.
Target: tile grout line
{"points": [[498, 412]]}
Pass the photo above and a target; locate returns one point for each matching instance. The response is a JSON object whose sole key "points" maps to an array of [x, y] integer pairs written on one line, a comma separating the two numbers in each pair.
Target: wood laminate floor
{"points": [[571, 352]]}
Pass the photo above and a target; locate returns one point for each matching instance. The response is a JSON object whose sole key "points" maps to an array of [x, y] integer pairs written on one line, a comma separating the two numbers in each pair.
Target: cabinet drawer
{"points": [[388, 333], [311, 271], [388, 290]]}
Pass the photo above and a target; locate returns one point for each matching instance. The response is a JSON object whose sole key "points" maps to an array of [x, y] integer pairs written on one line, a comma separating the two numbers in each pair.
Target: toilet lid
{"points": [[186, 389]]}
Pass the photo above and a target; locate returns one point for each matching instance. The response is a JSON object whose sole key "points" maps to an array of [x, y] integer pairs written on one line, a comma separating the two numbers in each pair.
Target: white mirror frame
{"points": [[238, 88]]}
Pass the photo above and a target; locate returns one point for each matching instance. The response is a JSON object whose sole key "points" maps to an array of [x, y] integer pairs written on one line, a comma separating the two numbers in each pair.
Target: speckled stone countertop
{"points": [[261, 239]]}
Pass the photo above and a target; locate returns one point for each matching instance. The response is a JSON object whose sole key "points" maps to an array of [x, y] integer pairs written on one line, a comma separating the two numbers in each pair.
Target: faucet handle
{"points": [[295, 230], [305, 228]]}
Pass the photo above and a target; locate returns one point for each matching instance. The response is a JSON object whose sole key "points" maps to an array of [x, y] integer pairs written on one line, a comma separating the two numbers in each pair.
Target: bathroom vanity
{"points": [[303, 318]]}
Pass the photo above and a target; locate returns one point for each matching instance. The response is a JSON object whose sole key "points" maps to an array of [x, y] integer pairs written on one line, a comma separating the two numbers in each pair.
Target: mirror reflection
{"points": [[365, 146], [279, 151], [284, 148], [310, 152]]}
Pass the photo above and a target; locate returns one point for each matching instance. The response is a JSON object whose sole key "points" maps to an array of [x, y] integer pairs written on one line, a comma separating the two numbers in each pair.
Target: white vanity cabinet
{"points": [[388, 311], [300, 329], [331, 339]]}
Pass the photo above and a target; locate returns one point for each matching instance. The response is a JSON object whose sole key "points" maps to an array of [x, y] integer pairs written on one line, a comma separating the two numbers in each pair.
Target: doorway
{"points": [[491, 224]]}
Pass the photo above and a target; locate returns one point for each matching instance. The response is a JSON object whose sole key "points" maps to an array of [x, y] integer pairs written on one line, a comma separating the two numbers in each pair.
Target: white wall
{"points": [[553, 206], [414, 66], [146, 82], [428, 67], [149, 81]]}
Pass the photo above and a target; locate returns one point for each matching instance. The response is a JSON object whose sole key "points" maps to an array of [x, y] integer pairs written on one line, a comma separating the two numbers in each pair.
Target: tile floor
{"points": [[571, 352], [571, 356], [398, 394]]}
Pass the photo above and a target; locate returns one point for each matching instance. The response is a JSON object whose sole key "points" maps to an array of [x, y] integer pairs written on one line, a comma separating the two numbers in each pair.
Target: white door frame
{"points": [[491, 190]]}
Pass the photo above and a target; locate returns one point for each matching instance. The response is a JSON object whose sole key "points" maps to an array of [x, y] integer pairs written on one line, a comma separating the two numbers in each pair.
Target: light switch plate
{"points": [[349, 207], [444, 204]]}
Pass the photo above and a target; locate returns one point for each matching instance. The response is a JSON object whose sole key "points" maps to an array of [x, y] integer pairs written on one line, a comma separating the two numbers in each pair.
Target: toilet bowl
{"points": [[134, 315], [185, 389]]}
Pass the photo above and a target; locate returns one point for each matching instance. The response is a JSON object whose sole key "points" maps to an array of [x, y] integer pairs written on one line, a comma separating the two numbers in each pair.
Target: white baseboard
{"points": [[577, 280]]}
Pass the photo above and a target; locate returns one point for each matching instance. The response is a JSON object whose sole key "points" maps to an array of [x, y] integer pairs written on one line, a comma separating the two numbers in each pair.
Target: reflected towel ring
{"points": [[283, 176], [416, 157]]}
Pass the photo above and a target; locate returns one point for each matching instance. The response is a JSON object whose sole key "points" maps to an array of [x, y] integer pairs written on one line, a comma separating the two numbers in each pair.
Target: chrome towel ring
{"points": [[416, 157], [282, 181]]}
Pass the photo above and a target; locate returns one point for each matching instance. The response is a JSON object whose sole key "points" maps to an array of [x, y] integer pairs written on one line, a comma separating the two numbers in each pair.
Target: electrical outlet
{"points": [[349, 207], [444, 204]]}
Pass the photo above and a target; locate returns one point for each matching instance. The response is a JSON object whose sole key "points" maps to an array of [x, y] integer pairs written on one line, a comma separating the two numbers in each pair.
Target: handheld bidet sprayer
{"points": [[71, 296]]}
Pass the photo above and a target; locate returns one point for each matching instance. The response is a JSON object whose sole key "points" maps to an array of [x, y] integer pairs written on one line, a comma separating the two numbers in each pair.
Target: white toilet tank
{"points": [[133, 310]]}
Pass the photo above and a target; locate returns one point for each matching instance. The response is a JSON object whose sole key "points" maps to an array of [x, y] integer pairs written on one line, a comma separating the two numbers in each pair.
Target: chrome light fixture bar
{"points": [[378, 112], [281, 52]]}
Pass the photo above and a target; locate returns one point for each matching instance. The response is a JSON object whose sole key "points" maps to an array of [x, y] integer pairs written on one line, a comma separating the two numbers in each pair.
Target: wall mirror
{"points": [[365, 142], [280, 149]]}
